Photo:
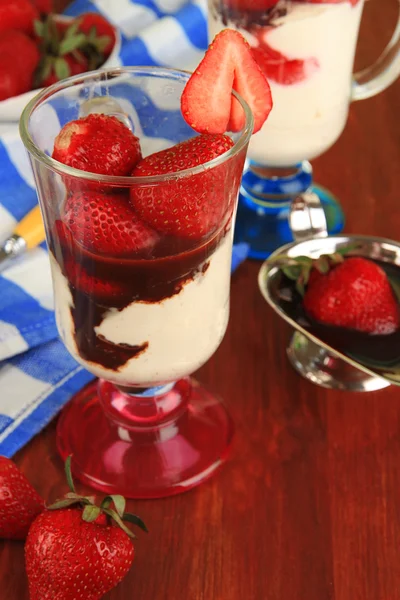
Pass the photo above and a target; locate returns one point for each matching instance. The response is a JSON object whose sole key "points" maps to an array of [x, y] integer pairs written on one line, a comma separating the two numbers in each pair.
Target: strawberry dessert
{"points": [[306, 50], [141, 267]]}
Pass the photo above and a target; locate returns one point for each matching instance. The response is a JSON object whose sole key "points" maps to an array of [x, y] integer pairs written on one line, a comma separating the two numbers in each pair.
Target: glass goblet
{"points": [[142, 322], [306, 49]]}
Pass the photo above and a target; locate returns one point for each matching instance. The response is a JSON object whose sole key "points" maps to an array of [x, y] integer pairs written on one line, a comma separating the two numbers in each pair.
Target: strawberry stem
{"points": [[298, 268], [68, 474], [90, 510]]}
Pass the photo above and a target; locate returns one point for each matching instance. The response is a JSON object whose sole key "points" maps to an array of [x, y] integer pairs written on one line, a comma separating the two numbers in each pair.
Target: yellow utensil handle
{"points": [[31, 228]]}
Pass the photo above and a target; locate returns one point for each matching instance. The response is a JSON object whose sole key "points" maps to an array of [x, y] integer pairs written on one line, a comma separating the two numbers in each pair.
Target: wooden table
{"points": [[308, 507]]}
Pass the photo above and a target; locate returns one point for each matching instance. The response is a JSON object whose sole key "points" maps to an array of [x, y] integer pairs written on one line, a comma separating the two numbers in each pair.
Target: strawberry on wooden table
{"points": [[17, 14], [79, 551], [207, 103], [19, 58], [190, 206], [99, 144], [352, 292], [20, 504]]}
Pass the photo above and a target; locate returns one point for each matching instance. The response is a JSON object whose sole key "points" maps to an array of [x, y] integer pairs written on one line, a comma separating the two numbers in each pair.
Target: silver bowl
{"points": [[317, 360]]}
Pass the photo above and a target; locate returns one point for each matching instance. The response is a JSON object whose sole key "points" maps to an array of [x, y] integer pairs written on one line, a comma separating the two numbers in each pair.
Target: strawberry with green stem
{"points": [[70, 49], [77, 550], [344, 291]]}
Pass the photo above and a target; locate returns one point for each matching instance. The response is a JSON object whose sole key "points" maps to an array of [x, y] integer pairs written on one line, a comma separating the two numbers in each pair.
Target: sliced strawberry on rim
{"points": [[207, 104]]}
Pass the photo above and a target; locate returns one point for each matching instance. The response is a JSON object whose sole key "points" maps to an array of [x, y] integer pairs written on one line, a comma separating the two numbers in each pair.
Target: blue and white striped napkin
{"points": [[37, 375]]}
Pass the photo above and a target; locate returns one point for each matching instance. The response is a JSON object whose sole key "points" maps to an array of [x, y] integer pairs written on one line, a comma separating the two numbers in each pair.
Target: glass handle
{"points": [[380, 74], [307, 217]]}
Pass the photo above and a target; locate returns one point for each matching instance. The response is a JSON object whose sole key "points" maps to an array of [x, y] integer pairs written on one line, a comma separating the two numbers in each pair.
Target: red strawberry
{"points": [[102, 289], [17, 14], [101, 27], [190, 206], [20, 504], [44, 6], [207, 104], [19, 58], [281, 69], [99, 144], [349, 292], [74, 551], [67, 50], [107, 224]]}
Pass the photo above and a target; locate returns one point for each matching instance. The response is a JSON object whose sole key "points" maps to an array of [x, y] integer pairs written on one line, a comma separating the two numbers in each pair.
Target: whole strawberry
{"points": [[18, 15], [96, 23], [193, 206], [72, 47], [107, 224], [99, 144], [20, 504], [19, 58], [74, 551], [352, 292]]}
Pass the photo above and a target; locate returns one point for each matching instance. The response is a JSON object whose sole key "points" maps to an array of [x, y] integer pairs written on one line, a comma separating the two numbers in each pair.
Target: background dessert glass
{"points": [[306, 49], [143, 322]]}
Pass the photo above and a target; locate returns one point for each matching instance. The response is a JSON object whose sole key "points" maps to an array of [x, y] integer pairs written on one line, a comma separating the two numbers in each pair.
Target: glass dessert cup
{"points": [[141, 322], [306, 49]]}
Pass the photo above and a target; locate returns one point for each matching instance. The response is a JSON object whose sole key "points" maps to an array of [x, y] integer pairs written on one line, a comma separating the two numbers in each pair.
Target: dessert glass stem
{"points": [[143, 408]]}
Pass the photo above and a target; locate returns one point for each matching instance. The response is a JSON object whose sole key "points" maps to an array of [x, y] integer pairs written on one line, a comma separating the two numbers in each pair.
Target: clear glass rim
{"points": [[112, 180]]}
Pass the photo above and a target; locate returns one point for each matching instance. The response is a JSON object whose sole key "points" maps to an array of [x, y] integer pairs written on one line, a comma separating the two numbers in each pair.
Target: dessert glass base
{"points": [[264, 206], [145, 443]]}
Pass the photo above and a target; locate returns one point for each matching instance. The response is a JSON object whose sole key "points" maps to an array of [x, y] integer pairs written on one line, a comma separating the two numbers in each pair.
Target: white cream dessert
{"points": [[307, 52], [174, 336]]}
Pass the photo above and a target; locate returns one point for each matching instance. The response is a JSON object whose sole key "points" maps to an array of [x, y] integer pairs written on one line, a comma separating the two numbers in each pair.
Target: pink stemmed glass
{"points": [[141, 322]]}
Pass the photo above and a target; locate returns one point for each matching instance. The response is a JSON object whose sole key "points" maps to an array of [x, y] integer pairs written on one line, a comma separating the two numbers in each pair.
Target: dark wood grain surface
{"points": [[308, 507]]}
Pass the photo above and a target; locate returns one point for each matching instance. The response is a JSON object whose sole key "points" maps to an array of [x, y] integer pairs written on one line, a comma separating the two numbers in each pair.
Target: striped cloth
{"points": [[37, 375]]}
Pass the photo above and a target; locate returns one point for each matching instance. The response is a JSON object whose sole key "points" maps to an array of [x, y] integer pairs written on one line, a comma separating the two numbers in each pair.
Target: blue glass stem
{"points": [[264, 202]]}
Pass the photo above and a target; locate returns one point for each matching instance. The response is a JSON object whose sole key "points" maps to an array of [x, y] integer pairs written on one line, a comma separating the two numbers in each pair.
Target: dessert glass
{"points": [[142, 323], [306, 49]]}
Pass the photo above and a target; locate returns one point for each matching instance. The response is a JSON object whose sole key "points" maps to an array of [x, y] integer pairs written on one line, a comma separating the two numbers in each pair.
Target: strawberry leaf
{"points": [[72, 43], [91, 513], [119, 503], [61, 68], [72, 29], [102, 42], [64, 503], [111, 513], [38, 27], [135, 520]]}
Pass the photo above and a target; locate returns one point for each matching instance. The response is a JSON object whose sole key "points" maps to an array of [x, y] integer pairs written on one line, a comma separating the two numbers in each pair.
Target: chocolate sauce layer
{"points": [[380, 352], [247, 19], [98, 283]]}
